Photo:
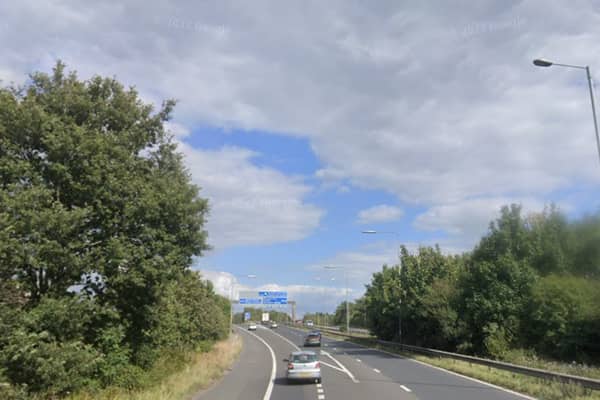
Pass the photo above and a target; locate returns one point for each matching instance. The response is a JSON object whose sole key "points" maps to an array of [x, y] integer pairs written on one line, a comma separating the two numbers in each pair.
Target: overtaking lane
{"points": [[367, 384], [425, 381]]}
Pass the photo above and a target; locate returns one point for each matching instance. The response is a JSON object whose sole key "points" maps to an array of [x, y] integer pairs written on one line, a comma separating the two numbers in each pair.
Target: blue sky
{"points": [[305, 123]]}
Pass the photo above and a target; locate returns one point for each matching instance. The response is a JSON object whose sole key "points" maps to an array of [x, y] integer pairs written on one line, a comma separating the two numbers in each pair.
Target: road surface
{"points": [[350, 372]]}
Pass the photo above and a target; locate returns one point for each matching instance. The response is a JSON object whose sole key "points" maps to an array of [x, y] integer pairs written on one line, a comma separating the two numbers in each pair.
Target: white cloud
{"points": [[468, 220], [307, 297], [179, 131], [380, 213], [249, 204], [472, 119]]}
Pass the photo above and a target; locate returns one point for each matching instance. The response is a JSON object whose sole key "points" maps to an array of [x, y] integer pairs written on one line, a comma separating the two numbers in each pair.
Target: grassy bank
{"points": [[178, 380]]}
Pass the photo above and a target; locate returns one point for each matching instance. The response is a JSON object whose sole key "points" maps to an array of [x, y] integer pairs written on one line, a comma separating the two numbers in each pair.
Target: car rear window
{"points": [[304, 358]]}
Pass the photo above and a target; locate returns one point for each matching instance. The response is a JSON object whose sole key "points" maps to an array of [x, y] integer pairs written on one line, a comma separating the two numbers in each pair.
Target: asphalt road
{"points": [[349, 371]]}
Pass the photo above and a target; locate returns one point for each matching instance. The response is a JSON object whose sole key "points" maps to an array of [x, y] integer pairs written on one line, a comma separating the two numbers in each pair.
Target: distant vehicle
{"points": [[313, 339], [273, 325], [309, 323], [303, 365], [251, 326]]}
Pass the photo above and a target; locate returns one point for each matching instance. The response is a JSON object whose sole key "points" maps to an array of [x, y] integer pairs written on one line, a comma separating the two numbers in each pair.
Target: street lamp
{"points": [[374, 232], [347, 309], [231, 286], [540, 62]]}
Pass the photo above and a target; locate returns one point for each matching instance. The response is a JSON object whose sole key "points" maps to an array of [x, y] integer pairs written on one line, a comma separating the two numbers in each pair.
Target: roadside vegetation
{"points": [[99, 223], [178, 376], [527, 293]]}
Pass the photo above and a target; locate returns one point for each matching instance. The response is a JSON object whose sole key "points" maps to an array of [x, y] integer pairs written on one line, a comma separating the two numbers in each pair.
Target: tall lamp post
{"points": [[347, 308], [540, 62], [231, 286], [374, 232]]}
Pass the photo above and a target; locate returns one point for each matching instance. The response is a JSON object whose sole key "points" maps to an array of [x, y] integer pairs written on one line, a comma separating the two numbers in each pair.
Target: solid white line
{"points": [[269, 390], [405, 388], [341, 366], [332, 366], [445, 370], [376, 370]]}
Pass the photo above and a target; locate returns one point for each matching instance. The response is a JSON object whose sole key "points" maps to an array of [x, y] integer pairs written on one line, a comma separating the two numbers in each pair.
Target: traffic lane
{"points": [[368, 383], [249, 375], [426, 381], [281, 389]]}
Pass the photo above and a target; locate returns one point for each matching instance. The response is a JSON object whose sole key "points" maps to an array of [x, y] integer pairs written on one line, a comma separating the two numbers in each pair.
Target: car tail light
{"points": [[290, 366], [318, 365]]}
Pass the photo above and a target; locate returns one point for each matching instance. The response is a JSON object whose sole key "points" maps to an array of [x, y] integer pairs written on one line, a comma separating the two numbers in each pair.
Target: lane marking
{"points": [[341, 366], [440, 369], [269, 390], [321, 397], [405, 388], [332, 366], [319, 385], [358, 360], [376, 370], [319, 390]]}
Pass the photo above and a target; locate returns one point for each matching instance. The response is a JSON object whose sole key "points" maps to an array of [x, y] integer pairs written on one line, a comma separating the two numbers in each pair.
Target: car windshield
{"points": [[304, 358]]}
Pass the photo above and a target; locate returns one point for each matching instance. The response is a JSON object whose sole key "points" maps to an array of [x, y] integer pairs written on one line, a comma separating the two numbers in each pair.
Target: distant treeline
{"points": [[532, 284], [98, 226], [531, 287]]}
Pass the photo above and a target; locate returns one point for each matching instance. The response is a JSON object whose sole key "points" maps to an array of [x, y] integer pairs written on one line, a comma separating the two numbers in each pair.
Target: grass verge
{"points": [[199, 371]]}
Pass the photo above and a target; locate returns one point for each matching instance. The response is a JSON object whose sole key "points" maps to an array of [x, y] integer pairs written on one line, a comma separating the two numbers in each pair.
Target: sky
{"points": [[306, 123]]}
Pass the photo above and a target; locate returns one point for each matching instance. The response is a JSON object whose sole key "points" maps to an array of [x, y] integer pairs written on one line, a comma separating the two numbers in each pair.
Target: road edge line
{"points": [[525, 396], [269, 390]]}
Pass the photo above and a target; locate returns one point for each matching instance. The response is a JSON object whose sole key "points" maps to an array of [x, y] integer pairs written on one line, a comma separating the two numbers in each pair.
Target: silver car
{"points": [[304, 365]]}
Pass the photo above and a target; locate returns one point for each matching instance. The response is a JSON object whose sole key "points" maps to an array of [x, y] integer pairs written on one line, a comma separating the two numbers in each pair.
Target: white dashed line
{"points": [[319, 385], [376, 370], [319, 390], [358, 360], [405, 388], [321, 397]]}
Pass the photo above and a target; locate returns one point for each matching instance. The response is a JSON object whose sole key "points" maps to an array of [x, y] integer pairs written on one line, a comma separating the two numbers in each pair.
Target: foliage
{"points": [[99, 223], [530, 283]]}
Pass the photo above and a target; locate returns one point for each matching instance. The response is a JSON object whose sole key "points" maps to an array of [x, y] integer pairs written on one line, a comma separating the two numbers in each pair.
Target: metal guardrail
{"points": [[535, 372]]}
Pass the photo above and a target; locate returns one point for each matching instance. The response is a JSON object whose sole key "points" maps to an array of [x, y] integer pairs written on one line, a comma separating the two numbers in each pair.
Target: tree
{"points": [[99, 222]]}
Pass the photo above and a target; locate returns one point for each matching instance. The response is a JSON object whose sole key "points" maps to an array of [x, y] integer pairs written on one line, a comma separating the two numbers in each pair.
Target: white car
{"points": [[309, 323], [251, 326], [303, 365], [274, 325]]}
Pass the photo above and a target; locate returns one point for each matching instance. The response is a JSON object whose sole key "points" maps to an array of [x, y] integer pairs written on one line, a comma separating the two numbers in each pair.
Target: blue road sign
{"points": [[247, 316], [250, 301]]}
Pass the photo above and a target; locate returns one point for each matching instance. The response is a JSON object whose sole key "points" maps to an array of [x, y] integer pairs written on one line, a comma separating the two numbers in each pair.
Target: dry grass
{"points": [[202, 370]]}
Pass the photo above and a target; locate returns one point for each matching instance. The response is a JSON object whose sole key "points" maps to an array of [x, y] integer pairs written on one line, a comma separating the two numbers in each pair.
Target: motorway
{"points": [[349, 371]]}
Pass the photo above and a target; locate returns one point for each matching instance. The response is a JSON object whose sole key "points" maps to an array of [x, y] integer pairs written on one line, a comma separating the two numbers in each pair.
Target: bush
{"points": [[45, 365]]}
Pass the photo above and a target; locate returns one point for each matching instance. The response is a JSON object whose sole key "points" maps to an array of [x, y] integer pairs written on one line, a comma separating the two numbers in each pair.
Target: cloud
{"points": [[466, 221], [380, 213], [179, 131], [249, 205], [308, 298], [472, 119]]}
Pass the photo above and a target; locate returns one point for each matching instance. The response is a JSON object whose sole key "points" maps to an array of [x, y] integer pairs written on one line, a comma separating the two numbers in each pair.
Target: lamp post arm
{"points": [[591, 86]]}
